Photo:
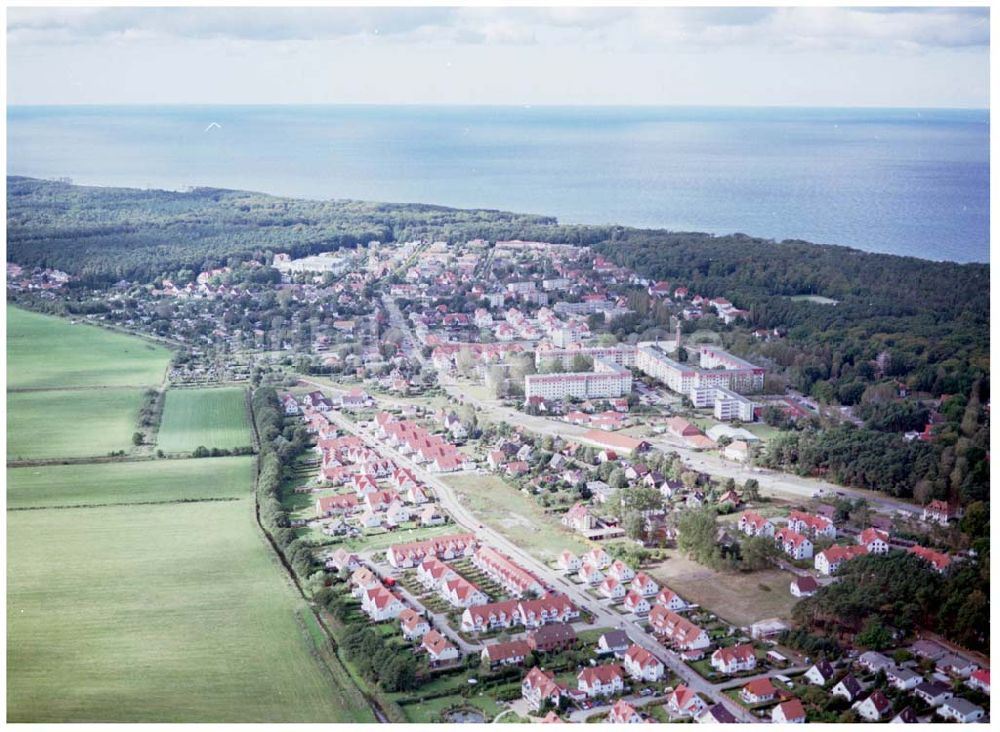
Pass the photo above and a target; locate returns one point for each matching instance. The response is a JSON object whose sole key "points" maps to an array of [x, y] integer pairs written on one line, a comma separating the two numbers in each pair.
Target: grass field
{"points": [[736, 597], [515, 515], [168, 613], [208, 417], [46, 352], [109, 483], [72, 423]]}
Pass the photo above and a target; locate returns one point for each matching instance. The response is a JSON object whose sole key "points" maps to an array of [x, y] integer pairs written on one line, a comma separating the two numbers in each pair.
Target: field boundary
{"points": [[373, 703], [127, 503]]}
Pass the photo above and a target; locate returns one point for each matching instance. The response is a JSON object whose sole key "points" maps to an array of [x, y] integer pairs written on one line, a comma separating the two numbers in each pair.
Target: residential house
{"points": [[941, 512], [904, 679], [820, 673], [552, 637], [613, 641], [734, 659], [604, 680], [794, 544], [341, 560], [510, 653], [907, 716], [848, 687], [829, 560], [644, 585], [804, 586], [679, 631], [818, 527], [380, 604], [641, 664], [597, 557], [753, 524], [954, 665], [980, 680], [684, 702], [961, 710], [789, 712], [758, 691], [540, 687], [439, 650], [671, 600], [413, 624], [590, 574], [624, 713], [876, 541], [717, 714], [579, 518], [933, 693], [461, 593], [612, 588], [873, 662], [635, 603], [568, 561], [875, 708], [431, 516], [621, 571]]}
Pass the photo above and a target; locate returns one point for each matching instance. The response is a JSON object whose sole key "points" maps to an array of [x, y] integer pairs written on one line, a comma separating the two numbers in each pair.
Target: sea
{"points": [[912, 182]]}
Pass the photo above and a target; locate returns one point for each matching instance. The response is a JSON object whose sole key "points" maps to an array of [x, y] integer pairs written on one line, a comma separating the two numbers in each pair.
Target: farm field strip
{"points": [[98, 484], [160, 613], [214, 417], [71, 423], [47, 352]]}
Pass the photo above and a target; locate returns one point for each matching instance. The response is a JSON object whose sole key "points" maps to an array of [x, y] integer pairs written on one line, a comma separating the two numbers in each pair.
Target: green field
{"points": [[203, 417], [46, 352], [136, 482], [167, 613], [498, 504], [71, 423]]}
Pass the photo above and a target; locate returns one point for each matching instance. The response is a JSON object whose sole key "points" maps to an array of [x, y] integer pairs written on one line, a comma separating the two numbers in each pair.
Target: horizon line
{"points": [[506, 105]]}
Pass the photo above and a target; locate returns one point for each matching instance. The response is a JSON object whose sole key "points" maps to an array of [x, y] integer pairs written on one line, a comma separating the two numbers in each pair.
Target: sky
{"points": [[738, 56]]}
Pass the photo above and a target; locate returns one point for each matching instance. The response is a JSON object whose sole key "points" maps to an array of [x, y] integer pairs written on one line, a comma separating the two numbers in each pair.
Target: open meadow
{"points": [[203, 417], [740, 598], [46, 352], [70, 423], [165, 613], [515, 515], [96, 484]]}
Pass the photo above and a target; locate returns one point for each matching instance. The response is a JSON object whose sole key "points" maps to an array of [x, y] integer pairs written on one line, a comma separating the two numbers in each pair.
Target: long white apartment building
{"points": [[608, 380], [621, 355], [719, 381]]}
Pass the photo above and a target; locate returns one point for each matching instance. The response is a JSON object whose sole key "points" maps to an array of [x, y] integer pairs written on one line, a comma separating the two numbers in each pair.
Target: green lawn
{"points": [[72, 423], [166, 613], [515, 515], [45, 352], [104, 483], [203, 417]]}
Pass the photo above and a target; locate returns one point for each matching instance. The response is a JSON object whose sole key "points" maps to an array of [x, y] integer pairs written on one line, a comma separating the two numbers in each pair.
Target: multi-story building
{"points": [[622, 355], [608, 380], [717, 369]]}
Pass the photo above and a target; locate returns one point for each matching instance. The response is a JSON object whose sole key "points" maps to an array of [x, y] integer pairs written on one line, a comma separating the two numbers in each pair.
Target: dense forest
{"points": [[106, 234]]}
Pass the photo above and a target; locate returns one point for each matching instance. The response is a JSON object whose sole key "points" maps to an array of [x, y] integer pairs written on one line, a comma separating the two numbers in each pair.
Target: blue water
{"points": [[913, 182]]}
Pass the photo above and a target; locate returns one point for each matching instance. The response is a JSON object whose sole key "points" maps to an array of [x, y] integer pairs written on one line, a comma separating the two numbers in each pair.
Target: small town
{"points": [[547, 489]]}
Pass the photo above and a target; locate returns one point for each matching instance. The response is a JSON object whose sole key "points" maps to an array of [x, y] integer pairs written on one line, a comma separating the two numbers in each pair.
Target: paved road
{"points": [[603, 616], [770, 481]]}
